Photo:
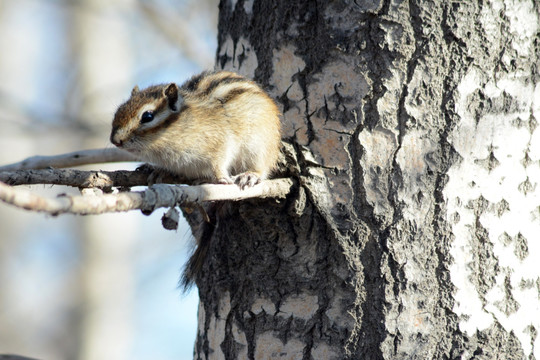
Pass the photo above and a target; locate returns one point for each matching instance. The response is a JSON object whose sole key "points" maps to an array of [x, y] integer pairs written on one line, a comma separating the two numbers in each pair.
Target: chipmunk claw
{"points": [[246, 180]]}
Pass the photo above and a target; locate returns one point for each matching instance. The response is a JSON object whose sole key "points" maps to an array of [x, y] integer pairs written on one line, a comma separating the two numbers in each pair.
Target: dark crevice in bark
{"points": [[372, 331], [229, 346], [262, 32], [314, 325], [249, 328], [376, 63], [313, 26], [225, 11], [205, 346], [310, 130], [456, 67]]}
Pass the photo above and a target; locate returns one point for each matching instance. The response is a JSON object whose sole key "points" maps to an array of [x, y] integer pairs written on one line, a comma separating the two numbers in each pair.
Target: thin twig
{"points": [[157, 196], [82, 179], [83, 157]]}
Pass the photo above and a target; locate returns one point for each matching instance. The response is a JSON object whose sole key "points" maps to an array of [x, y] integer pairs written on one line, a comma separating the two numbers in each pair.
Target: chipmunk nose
{"points": [[115, 140]]}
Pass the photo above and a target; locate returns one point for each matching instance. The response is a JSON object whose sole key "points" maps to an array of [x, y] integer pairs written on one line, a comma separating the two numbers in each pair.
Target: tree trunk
{"points": [[413, 232], [107, 279]]}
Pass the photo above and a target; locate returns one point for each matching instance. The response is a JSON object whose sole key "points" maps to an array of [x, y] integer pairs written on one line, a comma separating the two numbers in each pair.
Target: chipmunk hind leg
{"points": [[254, 162], [255, 170], [223, 162]]}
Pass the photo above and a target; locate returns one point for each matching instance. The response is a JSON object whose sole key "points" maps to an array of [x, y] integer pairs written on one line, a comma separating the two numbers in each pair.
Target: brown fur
{"points": [[225, 125]]}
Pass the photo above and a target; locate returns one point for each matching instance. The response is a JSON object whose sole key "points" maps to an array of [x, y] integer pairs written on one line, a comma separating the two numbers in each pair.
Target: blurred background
{"points": [[94, 287]]}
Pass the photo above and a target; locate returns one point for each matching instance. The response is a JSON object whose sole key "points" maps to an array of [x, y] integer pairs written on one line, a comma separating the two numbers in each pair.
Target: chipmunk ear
{"points": [[171, 92], [135, 90]]}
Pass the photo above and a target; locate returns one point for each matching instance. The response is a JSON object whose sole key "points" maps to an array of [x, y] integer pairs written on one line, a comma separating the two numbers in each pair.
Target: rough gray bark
{"points": [[414, 231]]}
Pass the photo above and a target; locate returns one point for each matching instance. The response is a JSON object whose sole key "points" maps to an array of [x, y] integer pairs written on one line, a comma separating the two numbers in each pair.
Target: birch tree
{"points": [[414, 229]]}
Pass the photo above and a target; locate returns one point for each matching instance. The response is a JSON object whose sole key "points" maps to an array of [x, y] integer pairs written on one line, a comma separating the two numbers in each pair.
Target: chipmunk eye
{"points": [[147, 116]]}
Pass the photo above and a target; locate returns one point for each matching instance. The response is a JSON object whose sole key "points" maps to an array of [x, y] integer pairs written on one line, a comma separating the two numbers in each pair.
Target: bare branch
{"points": [[157, 196], [82, 179], [83, 157]]}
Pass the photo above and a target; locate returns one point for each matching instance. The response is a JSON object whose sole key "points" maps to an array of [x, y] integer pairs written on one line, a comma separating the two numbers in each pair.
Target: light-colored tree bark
{"points": [[414, 231]]}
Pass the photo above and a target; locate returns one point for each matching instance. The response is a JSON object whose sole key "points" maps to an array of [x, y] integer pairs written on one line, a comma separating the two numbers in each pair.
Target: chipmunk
{"points": [[217, 127]]}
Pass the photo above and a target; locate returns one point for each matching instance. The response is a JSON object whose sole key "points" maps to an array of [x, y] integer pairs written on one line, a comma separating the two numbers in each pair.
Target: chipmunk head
{"points": [[146, 112]]}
